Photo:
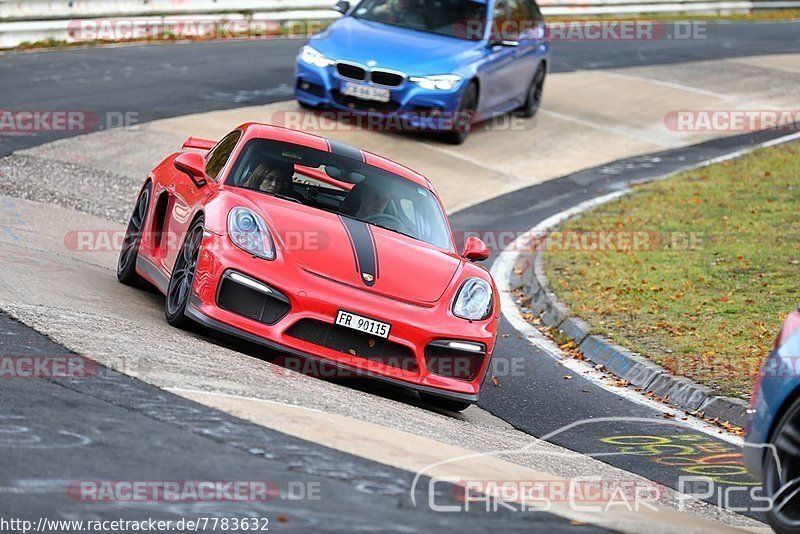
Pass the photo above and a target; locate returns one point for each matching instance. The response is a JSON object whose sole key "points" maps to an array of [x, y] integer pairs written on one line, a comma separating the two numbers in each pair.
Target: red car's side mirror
{"points": [[475, 249], [192, 164]]}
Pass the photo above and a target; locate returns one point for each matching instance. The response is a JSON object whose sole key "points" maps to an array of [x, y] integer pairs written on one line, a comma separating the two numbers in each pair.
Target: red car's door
{"points": [[185, 197]]}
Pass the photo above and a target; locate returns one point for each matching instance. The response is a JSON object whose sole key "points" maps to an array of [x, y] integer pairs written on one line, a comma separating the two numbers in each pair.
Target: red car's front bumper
{"points": [[314, 299]]}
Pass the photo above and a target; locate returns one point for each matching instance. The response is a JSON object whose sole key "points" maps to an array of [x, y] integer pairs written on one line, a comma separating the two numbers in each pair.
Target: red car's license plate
{"points": [[363, 324]]}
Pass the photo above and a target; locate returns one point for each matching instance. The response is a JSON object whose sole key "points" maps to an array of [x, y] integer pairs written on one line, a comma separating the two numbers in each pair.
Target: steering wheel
{"points": [[388, 220]]}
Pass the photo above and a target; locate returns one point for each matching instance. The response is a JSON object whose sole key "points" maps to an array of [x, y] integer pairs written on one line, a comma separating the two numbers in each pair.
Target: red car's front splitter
{"points": [[313, 297], [208, 322]]}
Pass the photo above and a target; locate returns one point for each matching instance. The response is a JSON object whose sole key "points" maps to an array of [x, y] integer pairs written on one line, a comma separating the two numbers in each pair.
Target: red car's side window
{"points": [[219, 156]]}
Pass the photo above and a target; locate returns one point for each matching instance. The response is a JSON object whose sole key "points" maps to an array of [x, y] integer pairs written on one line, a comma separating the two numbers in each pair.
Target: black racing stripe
{"points": [[377, 256], [347, 151], [364, 248], [352, 245]]}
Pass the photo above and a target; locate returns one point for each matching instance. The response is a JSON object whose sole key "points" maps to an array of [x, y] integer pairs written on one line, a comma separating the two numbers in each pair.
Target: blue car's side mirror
{"points": [[342, 6], [503, 42]]}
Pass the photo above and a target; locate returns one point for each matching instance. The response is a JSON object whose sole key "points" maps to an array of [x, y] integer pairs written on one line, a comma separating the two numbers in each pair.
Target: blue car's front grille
{"points": [[354, 72], [389, 79]]}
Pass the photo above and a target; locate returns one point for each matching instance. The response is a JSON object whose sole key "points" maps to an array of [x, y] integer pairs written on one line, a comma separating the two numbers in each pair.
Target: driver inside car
{"points": [[373, 202], [365, 201], [274, 178], [370, 204], [400, 11]]}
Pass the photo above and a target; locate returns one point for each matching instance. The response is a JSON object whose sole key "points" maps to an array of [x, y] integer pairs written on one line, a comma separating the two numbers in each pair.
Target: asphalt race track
{"points": [[95, 438], [161, 81]]}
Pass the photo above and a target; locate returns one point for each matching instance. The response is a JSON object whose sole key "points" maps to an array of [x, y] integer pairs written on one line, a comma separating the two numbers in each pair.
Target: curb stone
{"points": [[627, 365]]}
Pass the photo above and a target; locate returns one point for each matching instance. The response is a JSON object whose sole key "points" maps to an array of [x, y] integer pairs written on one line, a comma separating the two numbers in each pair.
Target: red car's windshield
{"points": [[464, 19], [341, 185]]}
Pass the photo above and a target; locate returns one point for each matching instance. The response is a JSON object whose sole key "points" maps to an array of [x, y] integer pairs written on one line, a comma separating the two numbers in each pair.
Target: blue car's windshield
{"points": [[463, 19]]}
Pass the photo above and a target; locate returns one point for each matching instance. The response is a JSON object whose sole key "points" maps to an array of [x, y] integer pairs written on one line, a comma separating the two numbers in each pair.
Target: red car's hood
{"points": [[359, 254]]}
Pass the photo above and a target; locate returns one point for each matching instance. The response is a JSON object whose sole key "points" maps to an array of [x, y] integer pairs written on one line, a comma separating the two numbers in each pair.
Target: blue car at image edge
{"points": [[772, 447], [443, 65]]}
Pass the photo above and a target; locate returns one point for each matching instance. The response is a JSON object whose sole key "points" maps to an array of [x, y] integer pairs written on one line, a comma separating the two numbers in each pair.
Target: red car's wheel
{"points": [[126, 264], [182, 279]]}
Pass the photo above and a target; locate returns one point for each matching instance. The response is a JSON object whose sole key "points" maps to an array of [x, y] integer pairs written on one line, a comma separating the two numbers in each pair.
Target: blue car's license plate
{"points": [[366, 92]]}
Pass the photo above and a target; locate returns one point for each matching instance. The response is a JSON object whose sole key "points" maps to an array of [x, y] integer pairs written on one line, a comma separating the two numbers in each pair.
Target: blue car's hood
{"points": [[412, 52]]}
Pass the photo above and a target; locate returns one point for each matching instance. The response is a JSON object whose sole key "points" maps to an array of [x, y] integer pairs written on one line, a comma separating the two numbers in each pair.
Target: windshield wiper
{"points": [[285, 197], [395, 231]]}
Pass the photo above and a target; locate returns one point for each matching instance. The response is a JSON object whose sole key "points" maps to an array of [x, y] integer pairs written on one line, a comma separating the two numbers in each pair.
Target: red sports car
{"points": [[321, 251]]}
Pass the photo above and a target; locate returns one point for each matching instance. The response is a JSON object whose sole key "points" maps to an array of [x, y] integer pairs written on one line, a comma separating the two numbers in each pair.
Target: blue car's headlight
{"points": [[474, 300], [312, 57], [248, 232], [442, 82]]}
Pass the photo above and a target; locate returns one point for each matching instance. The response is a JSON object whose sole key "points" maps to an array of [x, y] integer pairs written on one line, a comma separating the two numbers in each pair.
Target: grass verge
{"points": [[704, 288]]}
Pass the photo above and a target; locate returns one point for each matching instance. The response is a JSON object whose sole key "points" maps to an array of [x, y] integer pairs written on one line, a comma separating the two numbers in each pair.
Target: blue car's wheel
{"points": [[464, 117], [535, 93], [782, 473]]}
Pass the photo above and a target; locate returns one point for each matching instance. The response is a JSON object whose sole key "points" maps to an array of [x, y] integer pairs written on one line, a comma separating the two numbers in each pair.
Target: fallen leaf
{"points": [[567, 377], [495, 380]]}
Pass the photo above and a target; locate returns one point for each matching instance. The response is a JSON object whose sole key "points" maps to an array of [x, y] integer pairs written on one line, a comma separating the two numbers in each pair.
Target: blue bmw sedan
{"points": [[442, 65], [772, 448]]}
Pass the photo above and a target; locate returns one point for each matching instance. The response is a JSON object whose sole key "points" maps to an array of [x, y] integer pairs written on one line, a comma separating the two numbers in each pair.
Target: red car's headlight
{"points": [[249, 232], [474, 300]]}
